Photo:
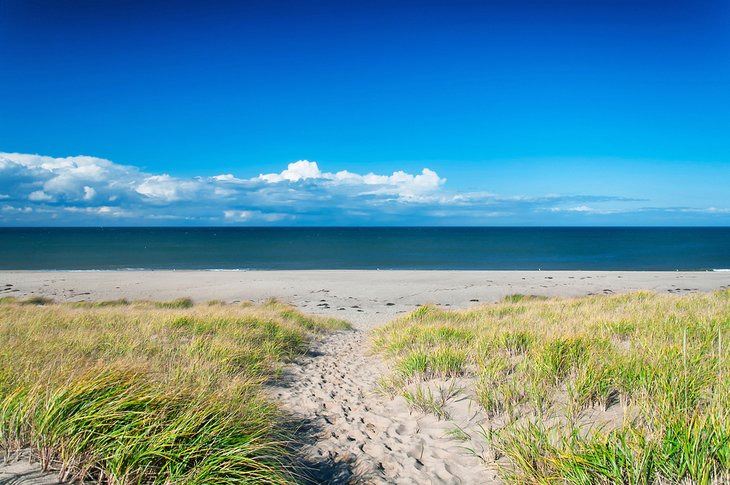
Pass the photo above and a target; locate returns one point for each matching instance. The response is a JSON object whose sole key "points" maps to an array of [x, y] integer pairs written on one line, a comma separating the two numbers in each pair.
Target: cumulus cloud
{"points": [[301, 170], [399, 183], [166, 189], [37, 189], [91, 186], [63, 180]]}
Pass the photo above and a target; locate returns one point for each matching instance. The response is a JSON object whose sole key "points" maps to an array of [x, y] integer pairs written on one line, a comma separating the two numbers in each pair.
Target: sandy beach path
{"points": [[361, 436]]}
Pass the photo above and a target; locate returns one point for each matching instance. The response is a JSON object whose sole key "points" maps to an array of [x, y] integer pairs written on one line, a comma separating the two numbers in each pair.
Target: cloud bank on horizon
{"points": [[39, 190]]}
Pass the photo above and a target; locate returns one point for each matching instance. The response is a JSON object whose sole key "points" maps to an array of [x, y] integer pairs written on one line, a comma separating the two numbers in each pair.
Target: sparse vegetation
{"points": [[33, 300], [432, 398], [177, 303], [126, 392], [604, 389]]}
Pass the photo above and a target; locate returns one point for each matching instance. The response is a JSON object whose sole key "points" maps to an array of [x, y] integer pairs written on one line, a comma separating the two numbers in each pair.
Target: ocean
{"points": [[433, 248]]}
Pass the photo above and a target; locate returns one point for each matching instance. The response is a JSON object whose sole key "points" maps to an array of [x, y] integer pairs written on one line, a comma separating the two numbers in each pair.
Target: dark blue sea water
{"points": [[366, 248]]}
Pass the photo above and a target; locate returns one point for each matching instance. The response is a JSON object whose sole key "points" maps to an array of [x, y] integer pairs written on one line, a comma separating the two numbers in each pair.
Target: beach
{"points": [[357, 434], [349, 243], [365, 297]]}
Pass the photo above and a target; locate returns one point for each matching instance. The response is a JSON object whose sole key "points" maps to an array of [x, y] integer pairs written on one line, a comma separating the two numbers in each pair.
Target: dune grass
{"points": [[604, 389], [126, 392]]}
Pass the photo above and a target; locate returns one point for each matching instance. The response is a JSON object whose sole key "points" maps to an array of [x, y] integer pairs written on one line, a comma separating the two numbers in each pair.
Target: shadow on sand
{"points": [[317, 470]]}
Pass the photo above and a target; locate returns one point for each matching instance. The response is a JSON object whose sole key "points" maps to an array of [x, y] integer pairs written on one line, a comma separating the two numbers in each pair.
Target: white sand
{"points": [[372, 291], [357, 435]]}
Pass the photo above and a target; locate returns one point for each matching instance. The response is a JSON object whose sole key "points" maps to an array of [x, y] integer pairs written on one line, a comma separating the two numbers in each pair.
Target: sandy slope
{"points": [[352, 433]]}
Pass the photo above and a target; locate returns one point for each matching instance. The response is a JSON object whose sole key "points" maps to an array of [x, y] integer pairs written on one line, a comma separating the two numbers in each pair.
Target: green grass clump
{"points": [[444, 362], [101, 303], [518, 297], [433, 401], [33, 300], [135, 392], [602, 389], [177, 303], [516, 342]]}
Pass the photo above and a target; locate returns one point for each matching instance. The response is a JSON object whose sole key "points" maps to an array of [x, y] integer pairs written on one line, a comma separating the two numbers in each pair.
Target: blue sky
{"points": [[435, 113]]}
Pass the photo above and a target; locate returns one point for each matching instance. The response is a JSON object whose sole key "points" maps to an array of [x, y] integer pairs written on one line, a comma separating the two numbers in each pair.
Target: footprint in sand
{"points": [[365, 437]]}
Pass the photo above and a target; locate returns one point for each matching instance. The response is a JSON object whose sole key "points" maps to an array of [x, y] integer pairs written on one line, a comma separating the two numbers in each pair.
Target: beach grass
{"points": [[126, 392], [602, 389]]}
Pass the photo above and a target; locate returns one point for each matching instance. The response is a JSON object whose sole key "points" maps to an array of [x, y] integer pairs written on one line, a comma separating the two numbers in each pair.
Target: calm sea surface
{"points": [[365, 248]]}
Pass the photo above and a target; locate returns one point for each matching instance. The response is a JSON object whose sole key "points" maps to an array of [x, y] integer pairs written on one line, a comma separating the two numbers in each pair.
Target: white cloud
{"points": [[85, 189], [76, 185], [166, 188], [249, 216], [301, 170], [10, 208], [89, 192], [84, 179], [102, 210], [584, 209], [64, 179], [226, 178], [708, 210], [399, 183], [405, 185], [580, 208], [39, 196]]}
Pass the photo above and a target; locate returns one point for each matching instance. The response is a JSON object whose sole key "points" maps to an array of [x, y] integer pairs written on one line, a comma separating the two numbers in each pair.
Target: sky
{"points": [[364, 113]]}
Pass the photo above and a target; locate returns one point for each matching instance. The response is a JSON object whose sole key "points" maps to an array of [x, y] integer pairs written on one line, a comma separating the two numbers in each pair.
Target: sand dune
{"points": [[353, 433]]}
